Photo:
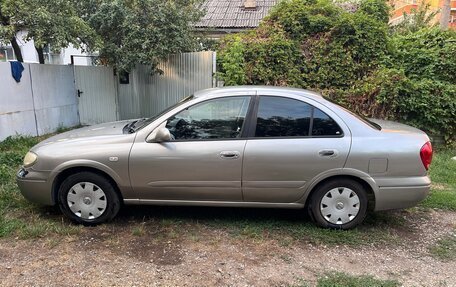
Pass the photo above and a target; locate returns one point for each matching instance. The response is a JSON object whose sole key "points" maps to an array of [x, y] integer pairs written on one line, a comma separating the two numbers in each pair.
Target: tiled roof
{"points": [[226, 14]]}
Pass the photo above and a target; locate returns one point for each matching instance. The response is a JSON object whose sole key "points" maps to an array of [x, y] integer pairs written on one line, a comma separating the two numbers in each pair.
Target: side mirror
{"points": [[160, 135]]}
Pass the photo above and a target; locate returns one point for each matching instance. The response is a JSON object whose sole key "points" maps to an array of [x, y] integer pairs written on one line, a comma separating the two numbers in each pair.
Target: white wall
{"points": [[44, 100], [31, 56], [65, 56], [27, 47], [17, 114], [46, 97]]}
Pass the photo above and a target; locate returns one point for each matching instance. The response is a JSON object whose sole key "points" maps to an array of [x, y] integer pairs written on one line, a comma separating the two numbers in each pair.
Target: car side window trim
{"points": [[251, 119], [243, 130], [254, 116]]}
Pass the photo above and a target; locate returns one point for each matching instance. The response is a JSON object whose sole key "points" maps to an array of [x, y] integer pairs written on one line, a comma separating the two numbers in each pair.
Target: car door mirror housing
{"points": [[162, 134]]}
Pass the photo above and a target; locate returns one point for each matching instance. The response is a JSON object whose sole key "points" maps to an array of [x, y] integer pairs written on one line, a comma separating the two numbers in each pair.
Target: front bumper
{"points": [[35, 186]]}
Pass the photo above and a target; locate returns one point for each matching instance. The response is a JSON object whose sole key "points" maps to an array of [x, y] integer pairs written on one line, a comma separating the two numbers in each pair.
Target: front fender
{"points": [[84, 163]]}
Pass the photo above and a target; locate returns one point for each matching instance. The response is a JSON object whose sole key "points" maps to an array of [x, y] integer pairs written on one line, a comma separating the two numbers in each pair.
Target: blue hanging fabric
{"points": [[16, 70]]}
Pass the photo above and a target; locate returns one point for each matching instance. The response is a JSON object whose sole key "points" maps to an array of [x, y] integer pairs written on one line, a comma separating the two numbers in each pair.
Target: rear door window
{"points": [[282, 117], [286, 117]]}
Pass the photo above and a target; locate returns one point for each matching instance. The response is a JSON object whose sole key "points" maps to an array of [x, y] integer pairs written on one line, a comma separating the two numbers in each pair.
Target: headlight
{"points": [[30, 159]]}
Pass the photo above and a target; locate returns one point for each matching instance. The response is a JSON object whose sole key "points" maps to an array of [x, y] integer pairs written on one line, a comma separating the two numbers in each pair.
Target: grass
{"points": [[257, 225], [22, 219], [445, 248], [443, 176], [345, 280], [19, 217], [339, 279]]}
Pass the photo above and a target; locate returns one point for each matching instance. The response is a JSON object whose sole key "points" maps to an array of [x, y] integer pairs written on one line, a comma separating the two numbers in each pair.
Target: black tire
{"points": [[111, 197], [322, 190]]}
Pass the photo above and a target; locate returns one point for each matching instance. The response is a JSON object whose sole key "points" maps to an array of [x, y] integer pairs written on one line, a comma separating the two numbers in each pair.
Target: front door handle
{"points": [[229, 154], [328, 152]]}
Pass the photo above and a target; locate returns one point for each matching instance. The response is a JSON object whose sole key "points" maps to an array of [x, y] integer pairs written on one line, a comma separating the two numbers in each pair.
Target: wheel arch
{"points": [[63, 174], [366, 181]]}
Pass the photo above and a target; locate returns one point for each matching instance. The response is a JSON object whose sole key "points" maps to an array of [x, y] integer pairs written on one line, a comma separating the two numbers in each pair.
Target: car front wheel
{"points": [[339, 204], [88, 198]]}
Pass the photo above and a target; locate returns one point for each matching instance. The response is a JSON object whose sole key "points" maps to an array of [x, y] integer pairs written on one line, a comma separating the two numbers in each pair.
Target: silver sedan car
{"points": [[245, 146]]}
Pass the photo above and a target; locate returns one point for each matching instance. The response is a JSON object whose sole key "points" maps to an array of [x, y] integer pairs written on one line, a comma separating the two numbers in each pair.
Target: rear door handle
{"points": [[229, 154], [328, 152]]}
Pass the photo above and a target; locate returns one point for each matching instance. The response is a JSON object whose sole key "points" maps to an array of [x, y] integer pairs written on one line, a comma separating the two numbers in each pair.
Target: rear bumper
{"points": [[34, 186], [402, 196]]}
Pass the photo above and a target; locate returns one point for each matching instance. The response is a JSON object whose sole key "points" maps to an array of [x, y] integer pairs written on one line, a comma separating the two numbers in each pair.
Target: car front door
{"points": [[291, 143], [203, 161]]}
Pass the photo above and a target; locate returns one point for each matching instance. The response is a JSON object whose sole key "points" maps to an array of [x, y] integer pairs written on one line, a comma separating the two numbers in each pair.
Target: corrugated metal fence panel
{"points": [[46, 97], [54, 97], [183, 74], [129, 99], [98, 100], [16, 104]]}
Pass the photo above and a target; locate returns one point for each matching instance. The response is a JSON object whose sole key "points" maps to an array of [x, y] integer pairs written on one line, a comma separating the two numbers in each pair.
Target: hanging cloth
{"points": [[16, 70]]}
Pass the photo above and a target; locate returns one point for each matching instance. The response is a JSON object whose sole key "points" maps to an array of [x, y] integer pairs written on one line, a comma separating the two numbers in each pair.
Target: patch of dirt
{"points": [[112, 255], [438, 186]]}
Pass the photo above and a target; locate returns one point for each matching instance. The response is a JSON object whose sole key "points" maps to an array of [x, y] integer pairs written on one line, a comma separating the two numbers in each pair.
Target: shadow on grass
{"points": [[284, 225]]}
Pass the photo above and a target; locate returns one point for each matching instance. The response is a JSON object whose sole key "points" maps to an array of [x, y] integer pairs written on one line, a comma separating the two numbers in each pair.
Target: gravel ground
{"points": [[112, 256]]}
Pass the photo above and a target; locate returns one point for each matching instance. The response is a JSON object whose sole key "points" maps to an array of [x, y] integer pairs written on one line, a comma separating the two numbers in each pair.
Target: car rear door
{"points": [[292, 140], [203, 162]]}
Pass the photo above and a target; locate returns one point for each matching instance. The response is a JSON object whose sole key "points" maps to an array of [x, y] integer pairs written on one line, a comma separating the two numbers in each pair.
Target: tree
{"points": [[141, 31], [418, 19], [51, 22], [405, 73], [445, 17]]}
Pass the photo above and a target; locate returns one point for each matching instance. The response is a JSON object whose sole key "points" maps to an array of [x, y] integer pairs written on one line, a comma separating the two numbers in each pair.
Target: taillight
{"points": [[426, 154]]}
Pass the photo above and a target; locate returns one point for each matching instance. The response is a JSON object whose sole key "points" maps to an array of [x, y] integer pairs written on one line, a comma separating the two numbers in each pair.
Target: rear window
{"points": [[360, 117], [364, 119]]}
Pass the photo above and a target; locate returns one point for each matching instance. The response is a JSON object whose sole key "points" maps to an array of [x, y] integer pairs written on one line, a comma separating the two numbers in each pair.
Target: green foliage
{"points": [[345, 280], [379, 9], [53, 22], [428, 53], [142, 31], [419, 18], [232, 62], [445, 248], [354, 58], [390, 94], [443, 189], [272, 60], [19, 217], [301, 19], [124, 32]]}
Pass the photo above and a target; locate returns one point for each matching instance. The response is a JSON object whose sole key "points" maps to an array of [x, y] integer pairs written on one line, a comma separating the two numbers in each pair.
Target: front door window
{"points": [[221, 118]]}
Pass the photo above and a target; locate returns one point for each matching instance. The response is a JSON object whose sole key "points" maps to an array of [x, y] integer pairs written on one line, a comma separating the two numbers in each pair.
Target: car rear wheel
{"points": [[88, 198], [339, 204]]}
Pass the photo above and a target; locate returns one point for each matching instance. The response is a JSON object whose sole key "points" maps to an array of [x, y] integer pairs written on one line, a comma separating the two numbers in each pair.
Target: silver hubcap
{"points": [[340, 205], [86, 200]]}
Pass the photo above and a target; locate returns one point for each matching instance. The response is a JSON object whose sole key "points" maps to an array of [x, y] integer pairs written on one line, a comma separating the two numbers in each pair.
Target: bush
{"points": [[428, 53], [265, 56], [353, 57], [232, 62], [389, 94], [301, 19]]}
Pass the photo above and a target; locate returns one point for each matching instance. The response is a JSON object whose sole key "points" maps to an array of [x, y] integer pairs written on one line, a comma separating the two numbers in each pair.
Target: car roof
{"points": [[260, 89]]}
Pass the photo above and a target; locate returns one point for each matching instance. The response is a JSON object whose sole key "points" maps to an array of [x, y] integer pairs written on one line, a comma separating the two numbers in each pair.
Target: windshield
{"points": [[139, 124], [360, 117]]}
